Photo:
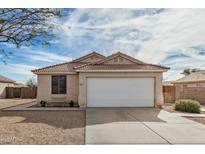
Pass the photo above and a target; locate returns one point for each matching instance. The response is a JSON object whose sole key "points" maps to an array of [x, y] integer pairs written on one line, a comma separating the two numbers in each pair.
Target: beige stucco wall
{"points": [[3, 88], [76, 86], [44, 89], [124, 61], [83, 76], [194, 90]]}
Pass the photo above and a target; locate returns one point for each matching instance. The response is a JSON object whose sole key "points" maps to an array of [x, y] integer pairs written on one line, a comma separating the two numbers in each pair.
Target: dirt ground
{"points": [[4, 103], [41, 127], [168, 107], [197, 119]]}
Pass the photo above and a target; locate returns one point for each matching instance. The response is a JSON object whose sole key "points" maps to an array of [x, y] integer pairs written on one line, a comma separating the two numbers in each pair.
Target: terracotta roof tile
{"points": [[193, 77], [120, 67], [120, 54], [88, 55], [74, 66], [64, 67]]}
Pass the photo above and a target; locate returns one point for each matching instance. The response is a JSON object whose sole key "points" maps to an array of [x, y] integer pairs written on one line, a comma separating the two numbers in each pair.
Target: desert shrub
{"points": [[187, 105]]}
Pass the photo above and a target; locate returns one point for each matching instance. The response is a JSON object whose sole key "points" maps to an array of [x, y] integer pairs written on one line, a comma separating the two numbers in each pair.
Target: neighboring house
{"points": [[5, 82], [191, 86], [94, 80], [19, 85]]}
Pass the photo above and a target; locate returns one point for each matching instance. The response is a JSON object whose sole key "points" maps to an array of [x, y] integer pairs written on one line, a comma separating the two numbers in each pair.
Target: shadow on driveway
{"points": [[108, 115]]}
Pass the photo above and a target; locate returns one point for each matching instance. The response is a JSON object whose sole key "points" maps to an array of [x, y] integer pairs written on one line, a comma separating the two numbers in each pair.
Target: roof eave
{"points": [[184, 82], [86, 56], [53, 73], [7, 81], [161, 70], [120, 54]]}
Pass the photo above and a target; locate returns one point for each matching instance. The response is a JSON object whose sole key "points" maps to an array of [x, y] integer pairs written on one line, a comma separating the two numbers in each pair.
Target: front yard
{"points": [[170, 108], [200, 118], [40, 127], [4, 103]]}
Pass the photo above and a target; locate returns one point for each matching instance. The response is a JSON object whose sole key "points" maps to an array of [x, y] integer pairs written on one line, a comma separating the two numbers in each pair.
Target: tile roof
{"points": [[122, 55], [76, 65], [120, 67], [193, 77], [88, 55], [63, 67], [5, 79]]}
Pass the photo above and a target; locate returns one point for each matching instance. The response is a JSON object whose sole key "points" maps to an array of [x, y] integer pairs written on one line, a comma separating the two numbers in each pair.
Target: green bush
{"points": [[188, 105]]}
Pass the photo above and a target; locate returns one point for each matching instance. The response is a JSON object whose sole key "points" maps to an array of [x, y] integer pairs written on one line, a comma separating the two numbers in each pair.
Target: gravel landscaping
{"points": [[197, 119], [40, 127], [4, 103], [169, 107]]}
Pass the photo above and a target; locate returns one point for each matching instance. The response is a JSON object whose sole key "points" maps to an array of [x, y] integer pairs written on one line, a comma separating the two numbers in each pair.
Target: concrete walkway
{"points": [[140, 126]]}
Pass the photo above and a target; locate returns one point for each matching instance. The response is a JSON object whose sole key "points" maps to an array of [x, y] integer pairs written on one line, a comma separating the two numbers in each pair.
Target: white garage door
{"points": [[120, 92]]}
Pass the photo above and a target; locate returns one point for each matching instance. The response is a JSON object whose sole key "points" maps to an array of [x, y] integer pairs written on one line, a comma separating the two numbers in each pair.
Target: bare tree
{"points": [[25, 27], [32, 84]]}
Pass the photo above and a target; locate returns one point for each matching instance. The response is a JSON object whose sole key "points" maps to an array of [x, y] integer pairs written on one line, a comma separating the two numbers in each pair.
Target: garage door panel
{"points": [[120, 92]]}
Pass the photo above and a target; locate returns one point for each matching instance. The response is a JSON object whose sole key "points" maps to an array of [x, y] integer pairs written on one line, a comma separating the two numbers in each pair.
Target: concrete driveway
{"points": [[140, 126]]}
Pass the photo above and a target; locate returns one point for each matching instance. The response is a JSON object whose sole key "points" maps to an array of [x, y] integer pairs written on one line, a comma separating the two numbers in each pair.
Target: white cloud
{"points": [[177, 66], [18, 72], [147, 35], [19, 68], [172, 75], [177, 29], [45, 56]]}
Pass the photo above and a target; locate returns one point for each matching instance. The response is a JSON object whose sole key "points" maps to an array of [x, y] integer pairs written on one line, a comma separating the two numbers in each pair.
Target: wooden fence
{"points": [[21, 92], [169, 94]]}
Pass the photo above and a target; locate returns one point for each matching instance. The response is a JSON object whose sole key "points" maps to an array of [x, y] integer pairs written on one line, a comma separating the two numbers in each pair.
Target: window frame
{"points": [[58, 85]]}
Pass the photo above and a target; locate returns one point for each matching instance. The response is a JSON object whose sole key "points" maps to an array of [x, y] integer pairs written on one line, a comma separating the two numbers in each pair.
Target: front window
{"points": [[59, 84]]}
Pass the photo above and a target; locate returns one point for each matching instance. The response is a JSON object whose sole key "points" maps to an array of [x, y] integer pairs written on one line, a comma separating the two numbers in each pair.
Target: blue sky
{"points": [[171, 37]]}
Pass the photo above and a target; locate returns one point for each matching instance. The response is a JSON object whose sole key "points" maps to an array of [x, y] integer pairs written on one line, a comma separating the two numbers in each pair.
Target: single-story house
{"points": [[191, 86], [94, 80], [5, 82]]}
